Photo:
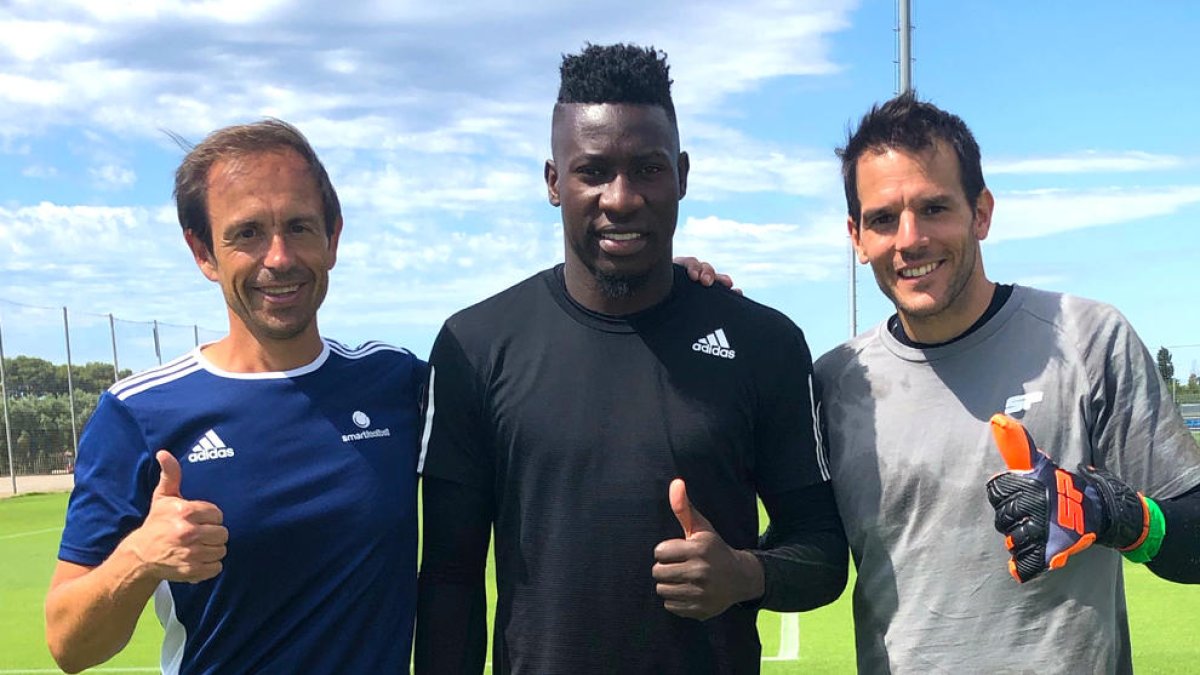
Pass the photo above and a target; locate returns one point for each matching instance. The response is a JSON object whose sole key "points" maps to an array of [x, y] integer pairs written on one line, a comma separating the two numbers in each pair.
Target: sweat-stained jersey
{"points": [[314, 470], [576, 422], [911, 451]]}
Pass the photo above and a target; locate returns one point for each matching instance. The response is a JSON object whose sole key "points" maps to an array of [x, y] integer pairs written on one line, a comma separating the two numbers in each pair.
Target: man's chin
{"points": [[281, 330], [918, 306], [619, 285]]}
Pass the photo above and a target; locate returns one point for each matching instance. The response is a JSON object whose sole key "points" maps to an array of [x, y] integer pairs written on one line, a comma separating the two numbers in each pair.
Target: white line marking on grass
{"points": [[789, 637], [28, 534]]}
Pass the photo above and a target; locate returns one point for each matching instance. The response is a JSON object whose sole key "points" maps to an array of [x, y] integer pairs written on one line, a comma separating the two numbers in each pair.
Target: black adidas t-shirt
{"points": [[576, 423]]}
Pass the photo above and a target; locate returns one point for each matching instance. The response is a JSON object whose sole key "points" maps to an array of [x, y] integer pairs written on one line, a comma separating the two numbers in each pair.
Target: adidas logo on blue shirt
{"points": [[715, 343], [210, 447]]}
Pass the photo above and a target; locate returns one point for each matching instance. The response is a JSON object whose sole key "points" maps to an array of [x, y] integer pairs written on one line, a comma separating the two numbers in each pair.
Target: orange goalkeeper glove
{"points": [[1048, 514]]}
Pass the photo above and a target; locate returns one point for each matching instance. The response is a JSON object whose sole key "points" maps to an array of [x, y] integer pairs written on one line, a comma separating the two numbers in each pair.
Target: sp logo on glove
{"points": [[1048, 514]]}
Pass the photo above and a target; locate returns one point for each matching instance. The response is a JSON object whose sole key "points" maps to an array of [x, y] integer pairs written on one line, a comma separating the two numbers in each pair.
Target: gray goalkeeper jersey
{"points": [[911, 449]]}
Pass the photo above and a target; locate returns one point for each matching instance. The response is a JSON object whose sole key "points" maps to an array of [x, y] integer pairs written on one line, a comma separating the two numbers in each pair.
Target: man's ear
{"points": [[984, 206], [684, 165], [201, 254], [550, 173], [855, 239], [333, 242]]}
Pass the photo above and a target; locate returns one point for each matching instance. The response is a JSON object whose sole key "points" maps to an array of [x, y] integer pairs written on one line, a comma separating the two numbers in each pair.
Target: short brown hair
{"points": [[191, 178]]}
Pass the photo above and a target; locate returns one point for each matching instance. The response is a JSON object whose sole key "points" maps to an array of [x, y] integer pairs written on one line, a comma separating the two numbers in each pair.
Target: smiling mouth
{"points": [[620, 236], [279, 291], [918, 272]]}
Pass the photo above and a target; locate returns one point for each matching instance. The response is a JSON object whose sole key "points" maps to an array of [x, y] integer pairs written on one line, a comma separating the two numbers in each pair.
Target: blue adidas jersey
{"points": [[315, 472]]}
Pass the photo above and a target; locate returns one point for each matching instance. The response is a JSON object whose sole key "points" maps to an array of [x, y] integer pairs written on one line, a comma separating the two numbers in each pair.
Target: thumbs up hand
{"points": [[1048, 514], [181, 539], [700, 576]]}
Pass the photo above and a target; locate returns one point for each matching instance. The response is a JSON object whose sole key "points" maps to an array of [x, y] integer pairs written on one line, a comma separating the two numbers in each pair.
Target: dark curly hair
{"points": [[617, 73], [907, 123]]}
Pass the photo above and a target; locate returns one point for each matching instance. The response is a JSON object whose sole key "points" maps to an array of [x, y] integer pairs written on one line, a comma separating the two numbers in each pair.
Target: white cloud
{"points": [[132, 67], [73, 235], [1040, 213], [112, 176], [767, 254], [433, 119], [39, 171], [713, 175], [35, 40], [1086, 162]]}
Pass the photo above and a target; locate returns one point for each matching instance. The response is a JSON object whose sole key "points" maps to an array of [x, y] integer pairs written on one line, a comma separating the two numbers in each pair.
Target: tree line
{"points": [[1187, 391], [38, 395]]}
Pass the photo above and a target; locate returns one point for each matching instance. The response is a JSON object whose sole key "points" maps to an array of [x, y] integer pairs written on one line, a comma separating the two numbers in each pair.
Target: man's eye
{"points": [[651, 169], [934, 209], [247, 233]]}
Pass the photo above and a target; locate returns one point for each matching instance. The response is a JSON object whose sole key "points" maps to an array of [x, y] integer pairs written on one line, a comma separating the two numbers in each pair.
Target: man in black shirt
{"points": [[563, 409]]}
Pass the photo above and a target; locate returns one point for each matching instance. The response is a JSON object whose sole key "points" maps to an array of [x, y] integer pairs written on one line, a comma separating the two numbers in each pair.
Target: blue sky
{"points": [[433, 119]]}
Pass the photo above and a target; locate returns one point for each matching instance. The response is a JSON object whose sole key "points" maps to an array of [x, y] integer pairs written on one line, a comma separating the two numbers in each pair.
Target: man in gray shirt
{"points": [[907, 405]]}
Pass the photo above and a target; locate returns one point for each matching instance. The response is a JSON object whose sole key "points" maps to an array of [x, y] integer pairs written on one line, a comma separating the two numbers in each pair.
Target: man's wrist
{"points": [[753, 575], [129, 566], [1145, 551]]}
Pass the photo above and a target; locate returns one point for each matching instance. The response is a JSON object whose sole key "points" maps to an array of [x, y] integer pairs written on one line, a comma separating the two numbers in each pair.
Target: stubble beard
{"points": [[262, 324], [619, 286], [612, 285], [955, 290]]}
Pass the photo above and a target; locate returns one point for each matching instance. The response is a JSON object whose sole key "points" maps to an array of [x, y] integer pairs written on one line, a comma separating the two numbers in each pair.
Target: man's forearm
{"points": [[92, 612], [1178, 558], [451, 634], [804, 551]]}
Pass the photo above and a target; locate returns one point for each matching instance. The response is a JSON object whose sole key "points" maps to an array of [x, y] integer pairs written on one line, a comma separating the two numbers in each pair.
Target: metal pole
{"points": [[905, 46], [196, 334], [112, 331], [12, 466], [157, 348], [70, 385]]}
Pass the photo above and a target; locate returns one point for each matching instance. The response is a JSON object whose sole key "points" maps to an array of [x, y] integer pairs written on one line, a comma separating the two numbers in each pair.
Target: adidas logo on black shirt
{"points": [[716, 344]]}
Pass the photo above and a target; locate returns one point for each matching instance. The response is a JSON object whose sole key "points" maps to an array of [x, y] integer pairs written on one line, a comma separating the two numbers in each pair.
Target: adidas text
{"points": [[205, 454], [714, 350]]}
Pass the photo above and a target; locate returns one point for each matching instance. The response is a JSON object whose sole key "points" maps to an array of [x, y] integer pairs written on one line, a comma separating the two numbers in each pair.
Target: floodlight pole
{"points": [[905, 35], [904, 65]]}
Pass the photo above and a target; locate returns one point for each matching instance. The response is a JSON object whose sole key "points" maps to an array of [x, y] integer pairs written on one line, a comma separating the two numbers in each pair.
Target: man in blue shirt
{"points": [[261, 487]]}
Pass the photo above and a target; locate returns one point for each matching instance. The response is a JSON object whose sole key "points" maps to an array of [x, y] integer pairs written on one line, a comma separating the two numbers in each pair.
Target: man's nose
{"points": [[621, 197]]}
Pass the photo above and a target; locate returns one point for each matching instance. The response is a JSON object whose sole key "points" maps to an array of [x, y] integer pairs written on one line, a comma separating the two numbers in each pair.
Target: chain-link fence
{"points": [[55, 363]]}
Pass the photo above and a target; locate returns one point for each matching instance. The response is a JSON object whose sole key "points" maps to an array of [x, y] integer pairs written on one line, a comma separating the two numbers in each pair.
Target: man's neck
{"points": [[243, 352], [943, 329], [585, 289]]}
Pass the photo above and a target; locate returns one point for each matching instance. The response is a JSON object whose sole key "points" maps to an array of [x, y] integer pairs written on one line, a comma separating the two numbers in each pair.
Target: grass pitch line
{"points": [[28, 534], [789, 637]]}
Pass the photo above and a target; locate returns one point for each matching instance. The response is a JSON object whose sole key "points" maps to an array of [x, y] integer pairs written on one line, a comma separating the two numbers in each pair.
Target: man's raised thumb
{"points": [[171, 477], [689, 518]]}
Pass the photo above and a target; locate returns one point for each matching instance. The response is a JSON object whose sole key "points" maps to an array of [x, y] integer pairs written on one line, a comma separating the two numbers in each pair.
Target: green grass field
{"points": [[1163, 616]]}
